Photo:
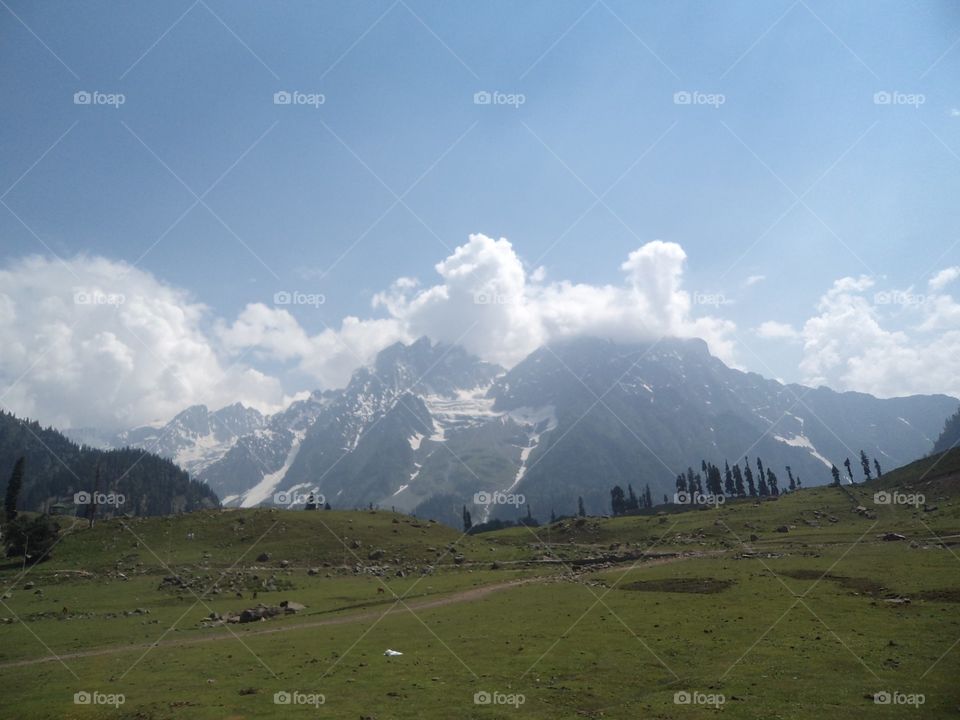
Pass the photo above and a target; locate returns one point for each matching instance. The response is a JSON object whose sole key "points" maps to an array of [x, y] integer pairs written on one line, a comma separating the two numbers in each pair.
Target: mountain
{"points": [[428, 426], [643, 414], [950, 436], [57, 469]]}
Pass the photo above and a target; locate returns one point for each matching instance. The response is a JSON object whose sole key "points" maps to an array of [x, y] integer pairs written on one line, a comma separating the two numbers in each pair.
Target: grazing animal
{"points": [[380, 591]]}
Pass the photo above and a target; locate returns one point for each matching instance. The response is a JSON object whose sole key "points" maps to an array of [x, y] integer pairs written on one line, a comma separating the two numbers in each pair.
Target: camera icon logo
{"points": [[882, 698], [82, 498], [681, 498], [682, 97], [282, 298], [482, 498], [882, 498], [282, 97], [282, 697], [482, 98], [82, 97], [82, 698], [682, 697], [882, 98], [482, 698]]}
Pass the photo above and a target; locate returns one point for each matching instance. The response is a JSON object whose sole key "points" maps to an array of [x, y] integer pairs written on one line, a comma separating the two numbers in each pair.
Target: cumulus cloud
{"points": [[944, 277], [886, 343], [117, 364], [94, 342]]}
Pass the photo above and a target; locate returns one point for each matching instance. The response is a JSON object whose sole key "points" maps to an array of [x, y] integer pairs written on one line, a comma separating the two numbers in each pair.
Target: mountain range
{"points": [[427, 427]]}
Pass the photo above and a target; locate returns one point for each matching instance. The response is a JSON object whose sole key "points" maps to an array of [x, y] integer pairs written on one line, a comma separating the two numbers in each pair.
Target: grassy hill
{"points": [[782, 608]]}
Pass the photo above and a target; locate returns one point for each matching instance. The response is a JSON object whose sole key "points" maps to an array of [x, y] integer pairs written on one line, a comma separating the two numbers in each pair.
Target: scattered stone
{"points": [[783, 529], [263, 557], [892, 537]]}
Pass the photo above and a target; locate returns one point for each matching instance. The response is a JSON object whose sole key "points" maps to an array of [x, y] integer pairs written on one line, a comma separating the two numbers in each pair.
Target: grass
{"points": [[606, 617]]}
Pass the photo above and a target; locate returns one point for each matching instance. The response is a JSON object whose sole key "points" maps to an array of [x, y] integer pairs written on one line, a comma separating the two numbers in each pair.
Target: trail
{"points": [[399, 605]]}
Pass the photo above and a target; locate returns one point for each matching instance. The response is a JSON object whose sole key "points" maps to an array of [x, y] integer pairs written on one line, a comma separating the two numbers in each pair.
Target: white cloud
{"points": [[944, 277], [754, 279], [772, 330], [94, 342], [853, 342], [159, 351]]}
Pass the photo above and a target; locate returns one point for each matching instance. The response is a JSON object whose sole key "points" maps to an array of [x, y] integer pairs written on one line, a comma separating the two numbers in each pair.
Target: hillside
{"points": [[57, 469]]}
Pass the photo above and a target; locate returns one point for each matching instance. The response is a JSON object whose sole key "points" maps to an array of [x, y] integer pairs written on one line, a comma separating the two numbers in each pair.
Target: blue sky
{"points": [[799, 176]]}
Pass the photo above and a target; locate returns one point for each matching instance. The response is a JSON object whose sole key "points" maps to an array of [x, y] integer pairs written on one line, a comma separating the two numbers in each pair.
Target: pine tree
{"points": [[865, 464], [748, 474], [876, 465], [836, 475], [762, 487], [631, 502], [581, 511], [846, 464], [13, 490], [772, 483], [728, 485], [738, 481], [617, 502], [760, 468], [467, 520], [792, 485], [553, 516], [647, 497]]}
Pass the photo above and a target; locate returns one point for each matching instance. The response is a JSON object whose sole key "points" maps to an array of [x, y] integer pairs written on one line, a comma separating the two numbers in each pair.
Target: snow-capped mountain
{"points": [[194, 439], [427, 427]]}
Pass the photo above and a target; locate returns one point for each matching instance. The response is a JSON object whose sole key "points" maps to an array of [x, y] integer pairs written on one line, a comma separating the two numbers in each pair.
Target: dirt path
{"points": [[462, 596]]}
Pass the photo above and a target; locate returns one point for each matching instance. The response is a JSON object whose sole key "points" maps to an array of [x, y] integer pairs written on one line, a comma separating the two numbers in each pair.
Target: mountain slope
{"points": [[57, 468]]}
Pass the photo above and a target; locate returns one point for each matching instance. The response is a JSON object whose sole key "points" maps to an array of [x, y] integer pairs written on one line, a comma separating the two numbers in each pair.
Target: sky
{"points": [[218, 201]]}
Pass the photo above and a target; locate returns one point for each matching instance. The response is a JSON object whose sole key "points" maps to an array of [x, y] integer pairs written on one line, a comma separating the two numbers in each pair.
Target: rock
{"points": [[263, 557], [893, 537], [290, 607], [783, 529], [355, 545], [28, 586], [284, 563], [753, 538], [458, 560], [313, 571], [375, 554]]}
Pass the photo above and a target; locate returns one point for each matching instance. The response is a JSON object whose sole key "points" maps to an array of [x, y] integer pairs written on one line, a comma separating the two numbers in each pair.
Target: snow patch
{"points": [[803, 442]]}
